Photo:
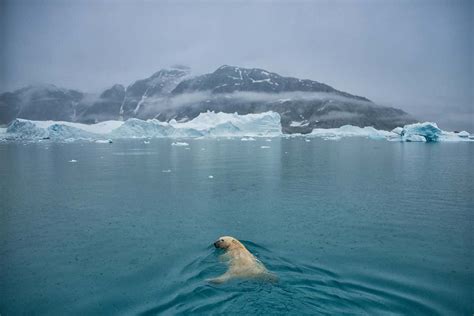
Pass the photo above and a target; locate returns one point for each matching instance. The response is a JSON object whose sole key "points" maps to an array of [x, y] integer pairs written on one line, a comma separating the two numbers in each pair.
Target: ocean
{"points": [[354, 226]]}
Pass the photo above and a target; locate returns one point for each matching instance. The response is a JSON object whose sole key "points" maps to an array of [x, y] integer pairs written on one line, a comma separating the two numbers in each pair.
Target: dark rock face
{"points": [[106, 107], [172, 94], [231, 79], [45, 102], [154, 89]]}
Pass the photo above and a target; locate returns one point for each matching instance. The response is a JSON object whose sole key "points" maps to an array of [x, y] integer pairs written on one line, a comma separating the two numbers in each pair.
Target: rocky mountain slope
{"points": [[174, 94]]}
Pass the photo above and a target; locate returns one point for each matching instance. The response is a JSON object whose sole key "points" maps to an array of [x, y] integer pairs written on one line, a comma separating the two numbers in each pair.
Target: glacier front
{"points": [[209, 124]]}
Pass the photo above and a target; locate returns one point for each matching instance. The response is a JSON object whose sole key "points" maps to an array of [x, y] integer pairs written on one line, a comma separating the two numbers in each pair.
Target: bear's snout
{"points": [[216, 244]]}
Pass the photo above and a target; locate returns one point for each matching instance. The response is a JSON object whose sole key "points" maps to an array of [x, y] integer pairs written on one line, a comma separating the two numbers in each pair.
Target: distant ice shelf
{"points": [[211, 124]]}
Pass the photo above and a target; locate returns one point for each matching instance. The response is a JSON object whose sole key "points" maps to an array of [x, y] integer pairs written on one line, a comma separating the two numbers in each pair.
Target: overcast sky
{"points": [[415, 55]]}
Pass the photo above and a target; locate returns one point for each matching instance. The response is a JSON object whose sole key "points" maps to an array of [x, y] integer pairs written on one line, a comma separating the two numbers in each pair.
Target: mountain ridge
{"points": [[173, 93]]}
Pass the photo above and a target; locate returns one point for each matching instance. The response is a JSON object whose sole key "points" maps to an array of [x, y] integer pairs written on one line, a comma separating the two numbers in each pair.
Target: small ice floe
{"points": [[307, 140], [104, 141], [211, 177], [463, 134], [332, 138], [180, 144], [264, 147], [268, 140], [247, 139], [72, 160], [146, 141], [166, 170]]}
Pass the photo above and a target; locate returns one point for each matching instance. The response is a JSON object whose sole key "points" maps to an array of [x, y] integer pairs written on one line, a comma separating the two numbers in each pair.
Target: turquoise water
{"points": [[350, 227]]}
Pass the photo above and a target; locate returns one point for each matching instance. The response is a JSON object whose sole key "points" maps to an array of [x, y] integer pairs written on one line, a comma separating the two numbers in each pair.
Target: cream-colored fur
{"points": [[242, 264]]}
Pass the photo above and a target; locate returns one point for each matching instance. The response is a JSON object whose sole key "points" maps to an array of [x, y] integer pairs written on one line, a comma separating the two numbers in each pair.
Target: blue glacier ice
{"points": [[209, 124], [426, 131]]}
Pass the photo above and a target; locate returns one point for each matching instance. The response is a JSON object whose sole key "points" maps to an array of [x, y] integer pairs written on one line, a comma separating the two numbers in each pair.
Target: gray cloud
{"points": [[415, 55]]}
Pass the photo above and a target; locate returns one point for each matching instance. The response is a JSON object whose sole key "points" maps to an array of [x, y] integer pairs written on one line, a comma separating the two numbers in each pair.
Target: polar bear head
{"points": [[227, 242]]}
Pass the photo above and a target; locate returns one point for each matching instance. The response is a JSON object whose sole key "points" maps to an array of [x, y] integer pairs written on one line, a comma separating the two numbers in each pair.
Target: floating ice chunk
{"points": [[166, 171], [350, 131], [332, 137], [428, 130], [264, 147], [211, 177], [268, 140], [307, 140], [247, 139], [146, 141], [72, 160], [224, 124], [179, 144], [104, 141], [463, 134]]}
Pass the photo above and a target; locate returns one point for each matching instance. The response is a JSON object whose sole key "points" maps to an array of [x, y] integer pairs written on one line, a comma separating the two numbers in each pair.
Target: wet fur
{"points": [[241, 263]]}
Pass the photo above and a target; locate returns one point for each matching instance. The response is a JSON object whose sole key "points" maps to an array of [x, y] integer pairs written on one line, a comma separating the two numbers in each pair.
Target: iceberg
{"points": [[58, 130], [350, 131], [233, 124], [212, 124], [418, 132], [209, 124], [428, 131]]}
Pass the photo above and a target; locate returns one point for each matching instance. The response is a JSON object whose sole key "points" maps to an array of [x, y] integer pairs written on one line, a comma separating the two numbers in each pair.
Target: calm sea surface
{"points": [[350, 227]]}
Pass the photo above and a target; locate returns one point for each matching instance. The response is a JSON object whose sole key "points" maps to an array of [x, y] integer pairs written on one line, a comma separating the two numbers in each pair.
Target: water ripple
{"points": [[302, 289]]}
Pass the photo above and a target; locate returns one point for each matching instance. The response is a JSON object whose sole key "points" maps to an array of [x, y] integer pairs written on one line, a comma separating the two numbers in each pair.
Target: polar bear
{"points": [[242, 264]]}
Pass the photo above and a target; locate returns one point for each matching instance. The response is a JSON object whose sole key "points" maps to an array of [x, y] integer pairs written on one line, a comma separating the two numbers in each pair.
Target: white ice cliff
{"points": [[211, 124]]}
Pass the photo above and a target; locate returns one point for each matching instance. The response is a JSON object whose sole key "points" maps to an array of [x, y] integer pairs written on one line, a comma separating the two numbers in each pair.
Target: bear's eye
{"points": [[222, 240]]}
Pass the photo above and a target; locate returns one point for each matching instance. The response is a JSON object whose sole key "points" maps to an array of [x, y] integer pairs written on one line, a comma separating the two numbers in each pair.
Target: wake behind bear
{"points": [[241, 263]]}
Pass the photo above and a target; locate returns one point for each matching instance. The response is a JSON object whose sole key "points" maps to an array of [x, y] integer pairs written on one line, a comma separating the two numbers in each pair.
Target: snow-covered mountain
{"points": [[173, 94]]}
